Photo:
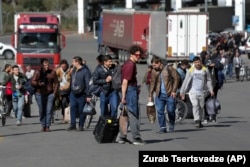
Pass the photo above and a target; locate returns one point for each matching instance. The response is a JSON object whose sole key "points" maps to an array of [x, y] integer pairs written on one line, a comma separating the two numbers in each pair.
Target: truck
{"points": [[120, 29], [187, 35], [37, 36]]}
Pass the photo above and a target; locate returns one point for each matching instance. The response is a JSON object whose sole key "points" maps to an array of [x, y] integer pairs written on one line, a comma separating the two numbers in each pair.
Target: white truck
{"points": [[187, 35]]}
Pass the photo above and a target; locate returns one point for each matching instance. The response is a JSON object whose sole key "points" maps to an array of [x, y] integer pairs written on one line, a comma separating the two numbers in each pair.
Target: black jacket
{"points": [[22, 79], [81, 78], [99, 78]]}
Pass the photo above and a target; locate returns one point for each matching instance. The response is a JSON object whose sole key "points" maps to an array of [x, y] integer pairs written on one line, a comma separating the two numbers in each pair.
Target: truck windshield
{"points": [[38, 40]]}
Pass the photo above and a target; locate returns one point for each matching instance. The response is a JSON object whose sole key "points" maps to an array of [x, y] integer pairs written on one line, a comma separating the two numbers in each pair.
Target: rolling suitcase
{"points": [[106, 130]]}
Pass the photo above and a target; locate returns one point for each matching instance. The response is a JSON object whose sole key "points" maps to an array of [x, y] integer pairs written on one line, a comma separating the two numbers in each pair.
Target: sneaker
{"points": [[80, 128], [205, 121], [71, 128], [213, 121], [43, 129], [47, 129], [138, 141], [123, 140], [18, 123], [171, 129], [198, 124], [162, 130]]}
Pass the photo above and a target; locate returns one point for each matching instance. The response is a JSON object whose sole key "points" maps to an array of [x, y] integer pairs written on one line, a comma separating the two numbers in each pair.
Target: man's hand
{"points": [[41, 83], [173, 94], [88, 99], [150, 99], [182, 96], [123, 101], [19, 87], [108, 79], [212, 93]]}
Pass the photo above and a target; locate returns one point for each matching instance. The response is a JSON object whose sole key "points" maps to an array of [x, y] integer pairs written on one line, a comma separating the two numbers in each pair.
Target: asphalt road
{"points": [[27, 146]]}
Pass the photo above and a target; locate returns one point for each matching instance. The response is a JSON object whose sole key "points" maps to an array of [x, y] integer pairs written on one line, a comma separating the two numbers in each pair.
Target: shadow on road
{"points": [[188, 130]]}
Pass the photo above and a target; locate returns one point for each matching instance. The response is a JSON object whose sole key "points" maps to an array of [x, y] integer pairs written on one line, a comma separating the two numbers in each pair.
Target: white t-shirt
{"points": [[197, 86], [29, 74]]}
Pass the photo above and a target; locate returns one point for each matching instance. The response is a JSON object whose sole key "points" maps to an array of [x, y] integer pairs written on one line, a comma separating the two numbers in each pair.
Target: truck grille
{"points": [[35, 61]]}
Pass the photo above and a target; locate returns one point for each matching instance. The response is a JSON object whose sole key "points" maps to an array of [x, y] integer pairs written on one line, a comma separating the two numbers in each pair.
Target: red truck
{"points": [[37, 36], [120, 29]]}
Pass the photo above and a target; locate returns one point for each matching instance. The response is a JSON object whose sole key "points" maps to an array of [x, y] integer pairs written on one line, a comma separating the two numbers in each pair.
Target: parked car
{"points": [[7, 51]]}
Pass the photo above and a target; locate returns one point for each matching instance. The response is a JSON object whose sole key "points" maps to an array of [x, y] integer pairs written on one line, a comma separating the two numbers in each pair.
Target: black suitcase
{"points": [[106, 130]]}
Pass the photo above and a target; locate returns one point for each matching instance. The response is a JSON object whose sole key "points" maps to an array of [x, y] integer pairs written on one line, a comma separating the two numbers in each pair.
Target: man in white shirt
{"points": [[197, 82], [29, 72]]}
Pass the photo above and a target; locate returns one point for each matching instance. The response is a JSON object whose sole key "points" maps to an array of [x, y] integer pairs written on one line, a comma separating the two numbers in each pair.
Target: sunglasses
{"points": [[137, 54]]}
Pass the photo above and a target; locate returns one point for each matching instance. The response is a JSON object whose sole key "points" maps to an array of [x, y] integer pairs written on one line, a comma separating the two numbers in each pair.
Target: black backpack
{"points": [[117, 77]]}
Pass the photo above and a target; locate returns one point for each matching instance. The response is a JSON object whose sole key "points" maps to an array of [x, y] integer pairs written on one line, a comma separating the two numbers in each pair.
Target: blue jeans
{"points": [[45, 105], [76, 106], [133, 111], [132, 100], [230, 69], [18, 104], [161, 102], [113, 100]]}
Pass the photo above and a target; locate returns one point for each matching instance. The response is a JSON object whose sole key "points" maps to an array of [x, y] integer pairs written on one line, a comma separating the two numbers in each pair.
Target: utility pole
{"points": [[205, 5], [80, 6], [129, 4], [1, 17]]}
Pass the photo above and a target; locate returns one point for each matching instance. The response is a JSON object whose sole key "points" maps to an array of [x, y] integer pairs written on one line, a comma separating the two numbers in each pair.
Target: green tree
{"points": [[32, 5], [58, 5]]}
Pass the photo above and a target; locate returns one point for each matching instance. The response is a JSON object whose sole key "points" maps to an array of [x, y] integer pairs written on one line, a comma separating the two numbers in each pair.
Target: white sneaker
{"points": [[205, 121], [18, 123]]}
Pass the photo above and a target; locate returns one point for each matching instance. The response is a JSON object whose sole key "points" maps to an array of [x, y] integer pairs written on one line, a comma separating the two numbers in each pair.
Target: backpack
{"points": [[172, 79], [28, 87], [117, 77], [8, 90]]}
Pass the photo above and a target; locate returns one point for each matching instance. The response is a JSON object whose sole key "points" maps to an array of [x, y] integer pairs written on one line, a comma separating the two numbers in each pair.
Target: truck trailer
{"points": [[187, 35], [37, 36], [120, 29]]}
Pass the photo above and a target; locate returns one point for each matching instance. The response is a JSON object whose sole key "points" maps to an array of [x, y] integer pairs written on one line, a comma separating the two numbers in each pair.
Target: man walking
{"points": [[64, 73], [164, 82], [102, 76], [130, 95], [197, 82], [18, 81], [46, 83], [79, 85]]}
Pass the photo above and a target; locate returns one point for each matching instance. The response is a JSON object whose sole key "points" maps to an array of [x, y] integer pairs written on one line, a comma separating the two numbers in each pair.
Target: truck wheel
{"points": [[119, 55], [122, 56], [8, 54], [126, 55]]}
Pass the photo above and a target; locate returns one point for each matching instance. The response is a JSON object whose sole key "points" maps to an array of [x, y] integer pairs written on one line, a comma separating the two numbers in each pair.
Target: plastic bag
{"points": [[89, 109], [213, 106], [151, 112]]}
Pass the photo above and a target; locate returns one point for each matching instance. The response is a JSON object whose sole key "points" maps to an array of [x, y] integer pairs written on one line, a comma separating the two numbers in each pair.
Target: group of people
{"points": [[71, 84], [201, 81], [15, 93]]}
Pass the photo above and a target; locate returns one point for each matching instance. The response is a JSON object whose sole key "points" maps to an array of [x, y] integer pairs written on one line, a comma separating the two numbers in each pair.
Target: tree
{"points": [[33, 5]]}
